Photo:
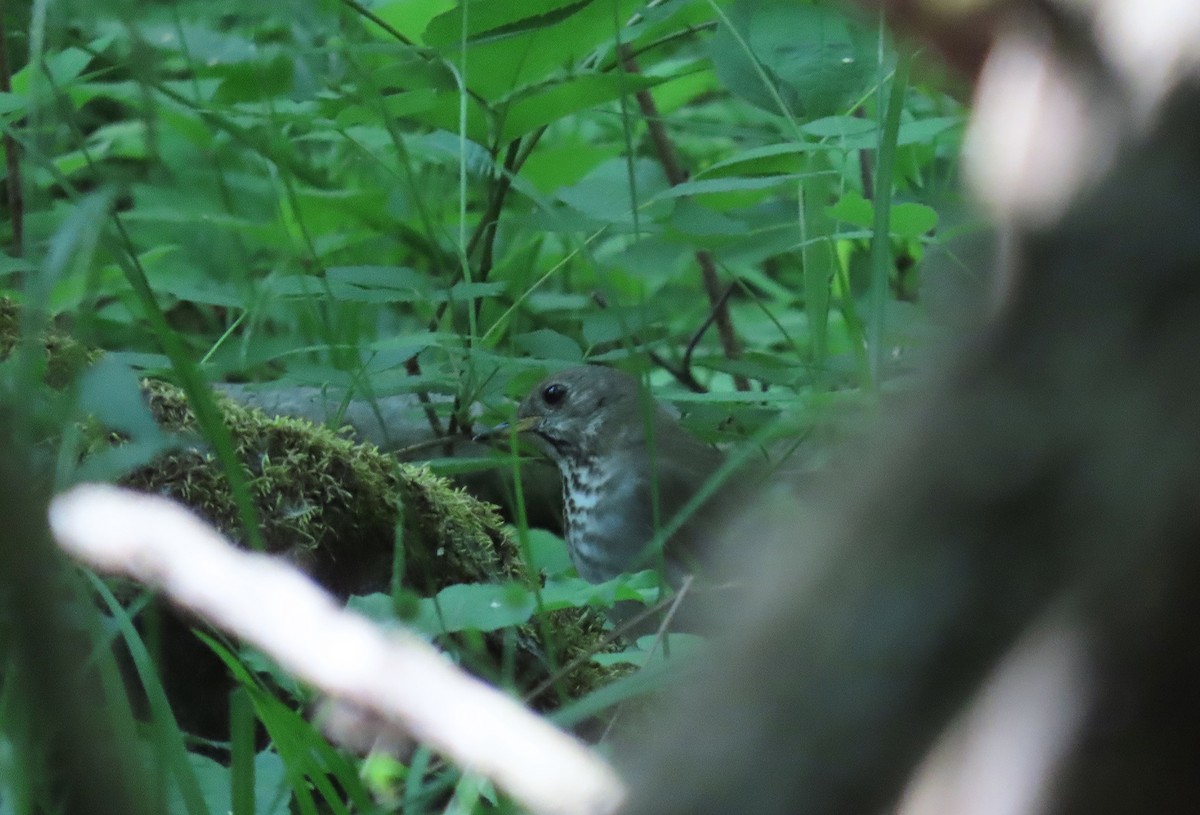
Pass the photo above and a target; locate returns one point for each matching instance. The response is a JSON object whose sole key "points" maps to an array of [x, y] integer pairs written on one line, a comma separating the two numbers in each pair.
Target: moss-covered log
{"points": [[337, 508]]}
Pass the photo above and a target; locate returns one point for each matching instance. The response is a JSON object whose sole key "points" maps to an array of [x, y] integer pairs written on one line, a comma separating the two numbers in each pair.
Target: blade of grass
{"points": [[241, 752], [881, 240], [170, 746], [308, 757], [199, 396]]}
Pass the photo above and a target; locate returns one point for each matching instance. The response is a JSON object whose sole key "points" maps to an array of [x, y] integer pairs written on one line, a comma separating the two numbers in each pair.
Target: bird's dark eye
{"points": [[554, 393]]}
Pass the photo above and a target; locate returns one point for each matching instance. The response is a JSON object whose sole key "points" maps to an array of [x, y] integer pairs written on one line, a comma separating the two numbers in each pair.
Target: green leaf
{"points": [[490, 19], [683, 646], [818, 62], [461, 292], [578, 593], [731, 184], [547, 344], [255, 81], [606, 194], [908, 220], [474, 607], [557, 100], [62, 68], [838, 127], [110, 393], [203, 44], [377, 284], [409, 17], [548, 553], [213, 779], [516, 45], [853, 208], [771, 159], [912, 220]]}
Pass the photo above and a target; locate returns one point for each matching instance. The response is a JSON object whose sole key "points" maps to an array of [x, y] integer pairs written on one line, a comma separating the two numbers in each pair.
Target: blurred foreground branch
{"points": [[392, 674]]}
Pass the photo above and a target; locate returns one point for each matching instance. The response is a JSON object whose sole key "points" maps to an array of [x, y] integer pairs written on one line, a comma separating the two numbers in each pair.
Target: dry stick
{"points": [[13, 188], [393, 674], [676, 175]]}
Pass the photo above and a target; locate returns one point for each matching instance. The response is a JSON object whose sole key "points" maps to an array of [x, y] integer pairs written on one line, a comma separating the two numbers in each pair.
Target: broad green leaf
{"points": [[700, 223], [575, 592], [475, 607], [818, 62], [514, 45], [908, 220], [489, 19], [213, 779], [204, 45], [565, 162], [255, 81], [682, 646], [409, 17], [62, 68], [731, 184], [547, 344], [549, 103], [460, 292], [606, 194], [548, 553], [771, 159], [854, 209], [850, 133], [685, 84], [377, 284], [607, 326], [923, 130], [912, 220], [836, 127]]}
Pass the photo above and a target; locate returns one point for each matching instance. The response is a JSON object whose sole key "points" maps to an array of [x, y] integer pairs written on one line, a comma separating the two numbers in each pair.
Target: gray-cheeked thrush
{"points": [[620, 453]]}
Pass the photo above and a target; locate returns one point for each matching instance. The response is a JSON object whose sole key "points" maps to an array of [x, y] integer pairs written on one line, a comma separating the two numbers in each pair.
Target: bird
{"points": [[628, 468]]}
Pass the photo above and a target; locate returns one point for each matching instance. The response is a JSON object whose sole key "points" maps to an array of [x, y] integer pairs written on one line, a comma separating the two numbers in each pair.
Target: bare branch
{"points": [[393, 674]]}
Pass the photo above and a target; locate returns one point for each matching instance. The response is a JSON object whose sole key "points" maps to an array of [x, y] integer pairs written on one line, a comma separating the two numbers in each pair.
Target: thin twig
{"points": [[491, 217], [485, 232], [708, 321], [668, 157], [659, 640], [683, 376]]}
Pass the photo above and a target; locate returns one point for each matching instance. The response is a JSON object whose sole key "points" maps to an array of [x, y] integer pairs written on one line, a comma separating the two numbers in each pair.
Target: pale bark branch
{"points": [[393, 674]]}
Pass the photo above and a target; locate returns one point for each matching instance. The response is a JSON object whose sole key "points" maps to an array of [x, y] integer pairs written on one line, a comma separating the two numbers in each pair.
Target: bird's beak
{"points": [[504, 428]]}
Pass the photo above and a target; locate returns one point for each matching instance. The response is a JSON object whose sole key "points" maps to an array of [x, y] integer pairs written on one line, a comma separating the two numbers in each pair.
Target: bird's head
{"points": [[584, 412]]}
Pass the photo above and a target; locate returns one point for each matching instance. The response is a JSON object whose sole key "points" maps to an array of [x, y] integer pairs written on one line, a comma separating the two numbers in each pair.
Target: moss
{"points": [[9, 326], [65, 356], [332, 504]]}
